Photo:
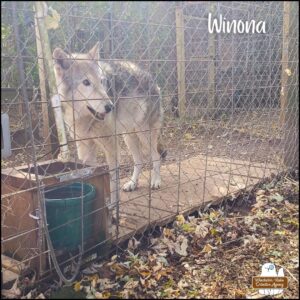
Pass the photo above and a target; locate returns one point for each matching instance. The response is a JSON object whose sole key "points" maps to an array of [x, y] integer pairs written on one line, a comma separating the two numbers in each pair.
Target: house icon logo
{"points": [[270, 282]]}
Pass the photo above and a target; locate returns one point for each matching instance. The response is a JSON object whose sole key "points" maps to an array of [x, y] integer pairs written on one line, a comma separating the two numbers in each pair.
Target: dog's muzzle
{"points": [[99, 116]]}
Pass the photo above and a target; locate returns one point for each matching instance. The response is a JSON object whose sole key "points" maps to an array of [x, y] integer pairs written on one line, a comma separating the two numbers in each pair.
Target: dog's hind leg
{"points": [[133, 145]]}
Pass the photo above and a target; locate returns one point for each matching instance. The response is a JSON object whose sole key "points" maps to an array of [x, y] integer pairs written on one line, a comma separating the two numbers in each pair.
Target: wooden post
{"points": [[284, 60], [291, 139], [46, 51], [106, 43], [42, 77], [41, 13], [180, 60], [211, 104]]}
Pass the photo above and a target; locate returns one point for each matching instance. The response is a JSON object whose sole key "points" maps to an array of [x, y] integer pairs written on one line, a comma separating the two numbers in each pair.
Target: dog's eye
{"points": [[86, 82]]}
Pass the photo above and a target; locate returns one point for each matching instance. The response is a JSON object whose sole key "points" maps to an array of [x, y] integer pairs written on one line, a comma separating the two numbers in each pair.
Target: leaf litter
{"points": [[213, 254]]}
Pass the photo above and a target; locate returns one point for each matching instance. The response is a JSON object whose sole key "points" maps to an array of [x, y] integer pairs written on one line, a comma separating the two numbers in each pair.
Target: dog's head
{"points": [[82, 83]]}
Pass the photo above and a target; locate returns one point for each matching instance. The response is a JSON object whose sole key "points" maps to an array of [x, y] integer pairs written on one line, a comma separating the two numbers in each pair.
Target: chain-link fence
{"points": [[230, 103]]}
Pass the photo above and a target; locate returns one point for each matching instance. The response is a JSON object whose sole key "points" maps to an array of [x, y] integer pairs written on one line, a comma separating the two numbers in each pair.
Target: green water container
{"points": [[63, 204]]}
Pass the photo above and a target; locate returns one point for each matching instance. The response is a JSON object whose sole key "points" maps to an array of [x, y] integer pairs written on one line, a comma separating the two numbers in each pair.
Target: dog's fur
{"points": [[88, 88]]}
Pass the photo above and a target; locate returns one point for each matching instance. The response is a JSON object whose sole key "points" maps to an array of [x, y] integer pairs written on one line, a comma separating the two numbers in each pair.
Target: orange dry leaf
{"points": [[207, 248]]}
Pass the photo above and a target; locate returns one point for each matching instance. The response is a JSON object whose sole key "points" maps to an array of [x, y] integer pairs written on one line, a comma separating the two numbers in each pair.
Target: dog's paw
{"points": [[129, 186], [155, 183]]}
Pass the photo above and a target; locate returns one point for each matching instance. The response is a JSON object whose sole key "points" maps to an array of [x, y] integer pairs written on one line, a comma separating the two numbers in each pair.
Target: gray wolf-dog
{"points": [[101, 99]]}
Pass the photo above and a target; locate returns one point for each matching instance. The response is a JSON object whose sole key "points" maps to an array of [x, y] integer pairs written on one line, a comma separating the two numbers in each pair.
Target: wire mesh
{"points": [[229, 115]]}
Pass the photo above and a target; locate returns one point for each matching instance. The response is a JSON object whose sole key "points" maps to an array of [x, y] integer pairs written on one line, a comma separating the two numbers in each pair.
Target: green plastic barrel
{"points": [[63, 204]]}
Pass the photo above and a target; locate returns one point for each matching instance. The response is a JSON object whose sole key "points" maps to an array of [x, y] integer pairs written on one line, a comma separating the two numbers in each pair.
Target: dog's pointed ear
{"points": [[61, 59], [94, 53]]}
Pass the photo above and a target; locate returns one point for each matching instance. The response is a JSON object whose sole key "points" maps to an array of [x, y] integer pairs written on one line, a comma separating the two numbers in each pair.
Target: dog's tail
{"points": [[160, 149]]}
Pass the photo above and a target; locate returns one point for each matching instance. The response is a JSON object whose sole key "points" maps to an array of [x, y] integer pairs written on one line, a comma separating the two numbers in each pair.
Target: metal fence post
{"points": [[291, 140], [284, 60], [180, 60], [211, 105]]}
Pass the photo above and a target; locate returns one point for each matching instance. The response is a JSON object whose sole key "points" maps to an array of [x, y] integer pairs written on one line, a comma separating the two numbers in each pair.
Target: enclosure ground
{"points": [[253, 137], [211, 255], [203, 179]]}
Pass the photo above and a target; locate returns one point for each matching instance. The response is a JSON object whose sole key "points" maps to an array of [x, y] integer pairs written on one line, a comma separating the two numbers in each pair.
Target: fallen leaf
{"points": [[133, 243], [188, 136], [160, 274], [207, 248], [117, 269], [181, 250], [276, 253], [90, 295], [295, 261], [28, 296], [214, 215], [145, 274], [280, 232], [77, 286], [89, 270], [255, 295], [168, 233], [105, 283], [157, 268], [182, 284], [98, 295], [188, 227], [218, 240], [202, 229], [94, 283], [180, 219], [260, 192], [213, 231], [142, 281], [131, 284], [277, 197], [200, 261], [163, 260], [104, 295]]}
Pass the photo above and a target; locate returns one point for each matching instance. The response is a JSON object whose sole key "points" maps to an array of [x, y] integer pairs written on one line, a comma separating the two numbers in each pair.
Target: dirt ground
{"points": [[251, 136]]}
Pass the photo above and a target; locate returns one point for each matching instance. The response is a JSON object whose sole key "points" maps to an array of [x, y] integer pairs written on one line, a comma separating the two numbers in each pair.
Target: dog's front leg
{"points": [[111, 149], [87, 152], [149, 142], [133, 145]]}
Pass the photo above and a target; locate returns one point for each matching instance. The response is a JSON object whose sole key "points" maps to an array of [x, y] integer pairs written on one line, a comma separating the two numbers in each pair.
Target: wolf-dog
{"points": [[102, 99]]}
